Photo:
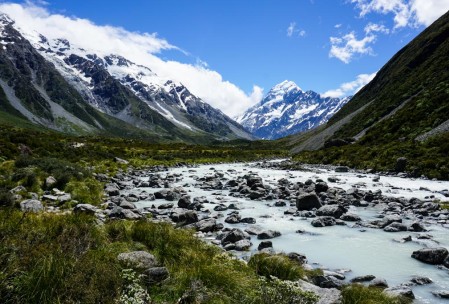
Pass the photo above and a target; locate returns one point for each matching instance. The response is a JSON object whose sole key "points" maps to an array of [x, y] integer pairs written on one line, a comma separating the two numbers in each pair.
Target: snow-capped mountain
{"points": [[287, 109], [124, 90]]}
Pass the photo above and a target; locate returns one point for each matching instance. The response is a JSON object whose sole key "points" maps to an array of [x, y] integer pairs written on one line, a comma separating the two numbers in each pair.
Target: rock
{"points": [[265, 244], [50, 181], [401, 164], [268, 234], [297, 257], [233, 236], [220, 207], [126, 205], [166, 206], [335, 211], [349, 217], [248, 220], [121, 213], [321, 187], [342, 169], [433, 256], [323, 221], [85, 208], [207, 225], [308, 201], [418, 280], [365, 278], [400, 290], [233, 219], [18, 189], [395, 227], [254, 230], [156, 274], [381, 283], [334, 274], [327, 282], [242, 245], [184, 202], [417, 227], [443, 294], [326, 295], [184, 217], [121, 161], [280, 204], [138, 260], [112, 190], [31, 205]]}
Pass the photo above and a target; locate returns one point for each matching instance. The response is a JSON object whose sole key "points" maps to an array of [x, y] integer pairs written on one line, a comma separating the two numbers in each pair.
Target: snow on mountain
{"points": [[93, 74], [287, 109]]}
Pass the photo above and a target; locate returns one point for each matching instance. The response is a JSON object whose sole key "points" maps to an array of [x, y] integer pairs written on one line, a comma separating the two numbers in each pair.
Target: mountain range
{"points": [[66, 88], [287, 109]]}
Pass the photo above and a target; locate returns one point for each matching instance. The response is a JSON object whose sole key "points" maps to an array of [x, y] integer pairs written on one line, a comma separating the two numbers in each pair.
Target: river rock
{"points": [[342, 169], [254, 229], [166, 206], [324, 281], [50, 181], [418, 280], [365, 278], [184, 202], [400, 290], [268, 234], [233, 236], [443, 294], [323, 221], [433, 256], [308, 201], [139, 260], [31, 205], [326, 295], [242, 245], [401, 164], [417, 227], [321, 187], [248, 220], [207, 225], [155, 275], [297, 257], [85, 208], [335, 211], [349, 217], [265, 244], [395, 227], [381, 283], [234, 218], [185, 217]]}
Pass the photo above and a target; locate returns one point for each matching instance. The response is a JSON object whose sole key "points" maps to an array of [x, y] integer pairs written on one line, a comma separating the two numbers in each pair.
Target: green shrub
{"points": [[87, 191], [359, 294]]}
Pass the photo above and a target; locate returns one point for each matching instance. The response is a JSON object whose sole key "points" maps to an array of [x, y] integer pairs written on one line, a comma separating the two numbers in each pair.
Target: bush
{"points": [[87, 191], [359, 294]]}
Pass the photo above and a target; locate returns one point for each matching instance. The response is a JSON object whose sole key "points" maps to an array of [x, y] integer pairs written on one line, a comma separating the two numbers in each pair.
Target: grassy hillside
{"points": [[408, 98]]}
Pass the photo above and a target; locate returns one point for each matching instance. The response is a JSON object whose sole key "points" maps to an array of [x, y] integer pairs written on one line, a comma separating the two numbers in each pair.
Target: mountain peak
{"points": [[285, 86]]}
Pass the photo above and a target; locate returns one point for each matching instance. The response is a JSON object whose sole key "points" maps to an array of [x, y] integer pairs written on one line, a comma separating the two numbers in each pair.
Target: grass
{"points": [[47, 258], [359, 294]]}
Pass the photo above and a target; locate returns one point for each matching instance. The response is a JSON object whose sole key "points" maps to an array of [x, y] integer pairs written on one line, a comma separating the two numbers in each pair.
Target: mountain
{"points": [[286, 109], [402, 112], [58, 85]]}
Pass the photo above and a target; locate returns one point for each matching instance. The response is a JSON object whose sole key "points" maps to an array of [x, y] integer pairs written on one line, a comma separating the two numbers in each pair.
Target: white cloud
{"points": [[292, 30], [406, 12], [141, 48], [338, 25], [344, 48], [376, 28], [350, 88]]}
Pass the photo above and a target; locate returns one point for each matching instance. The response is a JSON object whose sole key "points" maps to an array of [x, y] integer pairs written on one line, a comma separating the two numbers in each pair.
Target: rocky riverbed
{"points": [[387, 231]]}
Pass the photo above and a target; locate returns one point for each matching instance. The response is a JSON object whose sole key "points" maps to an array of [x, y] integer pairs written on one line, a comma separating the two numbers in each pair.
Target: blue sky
{"points": [[319, 44]]}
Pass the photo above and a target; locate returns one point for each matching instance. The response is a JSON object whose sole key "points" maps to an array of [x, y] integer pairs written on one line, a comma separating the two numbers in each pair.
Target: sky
{"points": [[230, 53]]}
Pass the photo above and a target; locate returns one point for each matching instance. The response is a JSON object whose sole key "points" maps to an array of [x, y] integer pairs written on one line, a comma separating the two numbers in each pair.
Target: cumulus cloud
{"points": [[405, 12], [346, 47], [352, 87], [141, 48], [293, 30], [376, 28]]}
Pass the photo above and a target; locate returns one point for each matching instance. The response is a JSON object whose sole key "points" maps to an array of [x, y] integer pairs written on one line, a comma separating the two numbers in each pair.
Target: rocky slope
{"points": [[112, 87], [287, 110]]}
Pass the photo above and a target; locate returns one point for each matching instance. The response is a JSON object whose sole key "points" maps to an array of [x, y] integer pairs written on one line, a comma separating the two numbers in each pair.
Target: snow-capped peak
{"points": [[285, 87]]}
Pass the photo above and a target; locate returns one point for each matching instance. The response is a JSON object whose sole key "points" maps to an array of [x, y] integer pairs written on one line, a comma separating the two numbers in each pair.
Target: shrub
{"points": [[359, 294]]}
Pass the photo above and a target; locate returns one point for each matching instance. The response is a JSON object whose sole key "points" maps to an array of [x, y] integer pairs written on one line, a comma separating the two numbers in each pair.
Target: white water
{"points": [[339, 247]]}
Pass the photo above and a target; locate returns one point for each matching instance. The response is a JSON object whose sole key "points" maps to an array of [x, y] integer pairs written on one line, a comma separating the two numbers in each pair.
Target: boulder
{"points": [[395, 227], [248, 220], [265, 244], [31, 205], [365, 278], [323, 221], [341, 169], [380, 283], [242, 245], [155, 275], [184, 202], [335, 211], [297, 257], [308, 201], [324, 281], [401, 290], [417, 227], [121, 161], [326, 295], [418, 280], [50, 181], [184, 217], [233, 219], [433, 256], [207, 225], [401, 164], [85, 208], [443, 294], [233, 236], [349, 217], [138, 260], [268, 234], [321, 187]]}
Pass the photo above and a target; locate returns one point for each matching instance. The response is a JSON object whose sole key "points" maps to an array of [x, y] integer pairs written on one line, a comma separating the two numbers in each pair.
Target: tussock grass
{"points": [[359, 294]]}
